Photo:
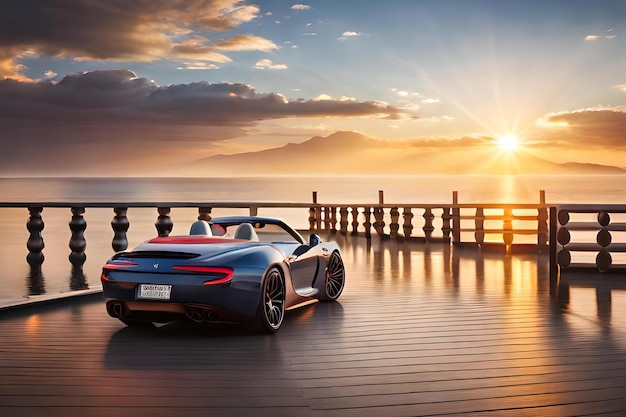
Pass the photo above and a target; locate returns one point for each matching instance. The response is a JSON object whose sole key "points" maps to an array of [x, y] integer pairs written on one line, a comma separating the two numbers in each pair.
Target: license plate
{"points": [[155, 292]]}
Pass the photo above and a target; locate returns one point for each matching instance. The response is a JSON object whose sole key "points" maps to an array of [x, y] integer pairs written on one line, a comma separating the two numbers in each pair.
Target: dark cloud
{"points": [[118, 96], [140, 30], [115, 114], [604, 127]]}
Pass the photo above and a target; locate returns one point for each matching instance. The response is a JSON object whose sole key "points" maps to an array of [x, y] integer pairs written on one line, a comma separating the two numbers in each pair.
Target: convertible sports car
{"points": [[244, 269]]}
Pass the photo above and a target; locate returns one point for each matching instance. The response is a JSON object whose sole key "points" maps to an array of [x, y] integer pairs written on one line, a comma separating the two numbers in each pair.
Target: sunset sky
{"points": [[128, 86]]}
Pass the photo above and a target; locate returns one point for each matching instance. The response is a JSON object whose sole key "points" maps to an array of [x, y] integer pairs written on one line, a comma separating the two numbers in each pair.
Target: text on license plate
{"points": [[154, 291]]}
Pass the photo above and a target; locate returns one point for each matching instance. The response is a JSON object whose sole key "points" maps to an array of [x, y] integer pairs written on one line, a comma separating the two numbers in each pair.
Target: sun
{"points": [[508, 143]]}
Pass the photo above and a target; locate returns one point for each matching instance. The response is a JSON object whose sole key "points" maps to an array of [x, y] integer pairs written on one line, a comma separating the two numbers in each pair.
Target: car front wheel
{"points": [[335, 278]]}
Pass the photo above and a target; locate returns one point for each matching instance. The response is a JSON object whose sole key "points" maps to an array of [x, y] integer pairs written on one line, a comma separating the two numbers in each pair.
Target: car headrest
{"points": [[201, 228], [246, 231]]}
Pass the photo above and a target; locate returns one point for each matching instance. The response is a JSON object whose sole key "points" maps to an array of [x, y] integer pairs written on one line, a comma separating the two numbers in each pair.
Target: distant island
{"points": [[350, 153]]}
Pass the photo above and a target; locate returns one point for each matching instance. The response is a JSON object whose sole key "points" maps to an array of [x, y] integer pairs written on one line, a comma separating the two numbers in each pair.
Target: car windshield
{"points": [[264, 231]]}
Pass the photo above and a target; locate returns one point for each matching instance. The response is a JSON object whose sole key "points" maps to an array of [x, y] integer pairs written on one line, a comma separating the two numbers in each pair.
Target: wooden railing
{"points": [[590, 229], [487, 224], [538, 227]]}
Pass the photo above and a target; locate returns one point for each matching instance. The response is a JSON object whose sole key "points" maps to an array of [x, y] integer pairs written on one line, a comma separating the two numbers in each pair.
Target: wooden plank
{"points": [[420, 330]]}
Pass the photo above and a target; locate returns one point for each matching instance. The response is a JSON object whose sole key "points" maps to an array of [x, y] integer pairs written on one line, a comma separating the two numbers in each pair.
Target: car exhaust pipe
{"points": [[194, 313], [199, 314], [116, 309], [211, 315]]}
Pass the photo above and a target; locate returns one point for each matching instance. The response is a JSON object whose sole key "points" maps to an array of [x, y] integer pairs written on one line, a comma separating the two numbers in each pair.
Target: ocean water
{"points": [[415, 190]]}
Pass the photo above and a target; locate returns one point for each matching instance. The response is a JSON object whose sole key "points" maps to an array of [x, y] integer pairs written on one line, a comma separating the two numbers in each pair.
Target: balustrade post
{"points": [[313, 213], [367, 212], [120, 225], [77, 245], [164, 223], [563, 257], [407, 227], [312, 219], [554, 269], [355, 220], [379, 214], [394, 226], [318, 217], [428, 227], [507, 236], [479, 223], [343, 219], [379, 223], [542, 224], [445, 223], [333, 219], [35, 247], [204, 213], [456, 218], [604, 238]]}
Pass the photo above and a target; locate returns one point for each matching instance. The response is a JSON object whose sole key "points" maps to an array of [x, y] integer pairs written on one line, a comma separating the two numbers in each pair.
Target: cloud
{"points": [[621, 87], [430, 100], [117, 113], [197, 66], [246, 43], [268, 64], [300, 7], [592, 128], [348, 34], [139, 30], [592, 38]]}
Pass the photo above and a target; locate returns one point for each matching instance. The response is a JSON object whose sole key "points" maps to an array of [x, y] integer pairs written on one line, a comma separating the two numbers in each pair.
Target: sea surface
{"points": [[57, 275]]}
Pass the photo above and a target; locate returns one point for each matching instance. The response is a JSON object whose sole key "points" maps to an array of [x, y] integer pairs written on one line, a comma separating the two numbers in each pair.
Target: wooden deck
{"points": [[419, 331]]}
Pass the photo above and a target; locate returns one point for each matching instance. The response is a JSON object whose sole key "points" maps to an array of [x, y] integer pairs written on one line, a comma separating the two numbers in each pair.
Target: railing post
{"points": [[35, 247], [379, 214], [333, 219], [407, 227], [603, 238], [343, 220], [456, 218], [428, 227], [312, 213], [394, 226], [542, 223], [563, 257], [78, 244], [445, 223], [164, 223], [355, 220], [204, 213], [554, 268], [479, 226], [367, 212], [507, 236], [120, 226]]}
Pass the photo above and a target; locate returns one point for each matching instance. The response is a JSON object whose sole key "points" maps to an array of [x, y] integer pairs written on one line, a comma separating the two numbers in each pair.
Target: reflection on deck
{"points": [[421, 330]]}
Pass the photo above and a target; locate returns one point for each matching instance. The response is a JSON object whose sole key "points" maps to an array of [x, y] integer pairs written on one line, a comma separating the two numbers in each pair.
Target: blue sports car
{"points": [[243, 269]]}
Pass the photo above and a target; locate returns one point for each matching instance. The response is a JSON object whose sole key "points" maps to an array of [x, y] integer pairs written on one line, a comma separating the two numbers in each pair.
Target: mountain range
{"points": [[350, 153]]}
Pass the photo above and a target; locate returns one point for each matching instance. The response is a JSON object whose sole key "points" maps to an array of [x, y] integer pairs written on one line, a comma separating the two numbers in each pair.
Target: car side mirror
{"points": [[314, 240]]}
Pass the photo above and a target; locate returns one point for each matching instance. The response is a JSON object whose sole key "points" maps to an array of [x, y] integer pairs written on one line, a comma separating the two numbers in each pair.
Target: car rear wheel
{"points": [[272, 306], [335, 278]]}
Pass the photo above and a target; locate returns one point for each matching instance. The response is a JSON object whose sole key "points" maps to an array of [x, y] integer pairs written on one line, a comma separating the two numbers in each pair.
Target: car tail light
{"points": [[222, 274], [119, 265]]}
